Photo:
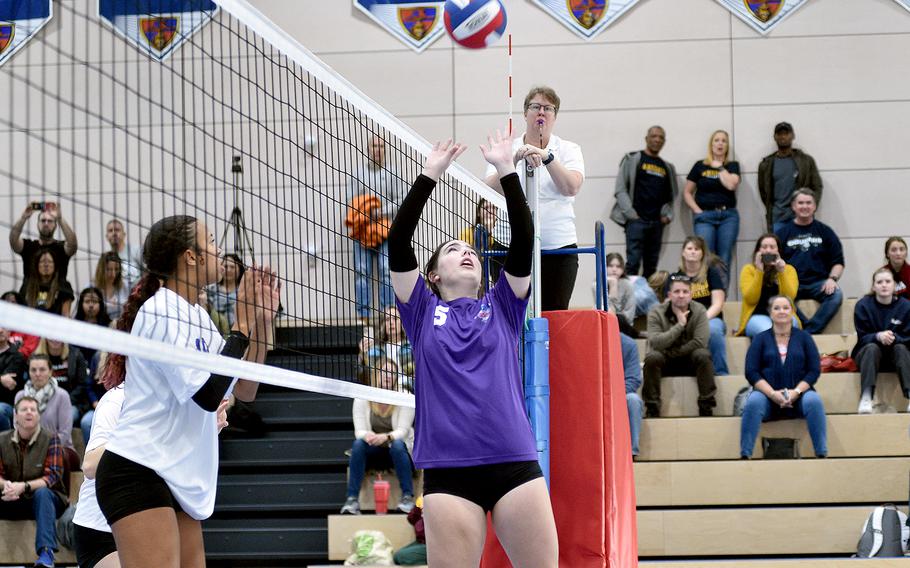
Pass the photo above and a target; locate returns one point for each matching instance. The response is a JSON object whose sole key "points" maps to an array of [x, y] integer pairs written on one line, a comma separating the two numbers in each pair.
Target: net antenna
{"points": [[235, 223]]}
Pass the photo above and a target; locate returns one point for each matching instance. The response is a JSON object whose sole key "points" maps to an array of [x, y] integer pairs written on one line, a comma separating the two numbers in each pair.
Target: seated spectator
{"points": [[202, 300], [44, 290], [658, 283], [708, 289], [414, 554], [90, 308], [767, 276], [31, 474], [69, 371], [223, 295], [678, 333], [896, 260], [814, 250], [384, 437], [109, 279], [782, 365], [631, 364], [485, 220], [26, 343], [390, 342], [882, 322], [620, 292], [53, 402], [12, 378], [645, 297], [49, 219]]}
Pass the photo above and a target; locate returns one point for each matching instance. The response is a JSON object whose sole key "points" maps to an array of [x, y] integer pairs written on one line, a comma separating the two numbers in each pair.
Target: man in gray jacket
{"points": [[646, 188], [678, 345], [782, 173]]}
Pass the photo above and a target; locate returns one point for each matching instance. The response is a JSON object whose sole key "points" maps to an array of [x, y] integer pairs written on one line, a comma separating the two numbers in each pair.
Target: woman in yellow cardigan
{"points": [[766, 277]]}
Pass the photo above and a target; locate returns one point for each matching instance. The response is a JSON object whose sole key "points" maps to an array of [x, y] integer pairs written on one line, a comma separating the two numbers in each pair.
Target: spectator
{"points": [[815, 251], [560, 180], [711, 195], [678, 333], [44, 290], [48, 220], [631, 364], [69, 370], [646, 188], [782, 365], [390, 342], [224, 328], [26, 343], [414, 554], [485, 221], [31, 473], [90, 308], [896, 260], [782, 173], [882, 321], [223, 295], [767, 276], [657, 282], [53, 402], [621, 293], [384, 437], [373, 197], [12, 378], [708, 289], [130, 255], [109, 279]]}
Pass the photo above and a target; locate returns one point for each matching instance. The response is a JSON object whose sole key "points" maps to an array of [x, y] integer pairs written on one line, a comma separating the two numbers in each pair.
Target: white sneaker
{"points": [[865, 406]]}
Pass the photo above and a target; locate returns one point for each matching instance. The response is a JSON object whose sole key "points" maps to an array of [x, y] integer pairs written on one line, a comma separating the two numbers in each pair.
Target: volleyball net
{"points": [[134, 110]]}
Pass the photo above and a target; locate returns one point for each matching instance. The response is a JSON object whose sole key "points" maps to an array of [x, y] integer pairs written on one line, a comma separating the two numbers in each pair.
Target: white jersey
{"points": [[160, 426], [107, 413]]}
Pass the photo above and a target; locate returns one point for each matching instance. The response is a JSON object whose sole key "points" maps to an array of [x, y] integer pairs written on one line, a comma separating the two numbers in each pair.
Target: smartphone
{"points": [[769, 258], [37, 205]]}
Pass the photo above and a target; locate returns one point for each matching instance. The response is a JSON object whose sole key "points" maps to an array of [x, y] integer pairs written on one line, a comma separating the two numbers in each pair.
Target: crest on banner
{"points": [[157, 27], [416, 24], [19, 22], [587, 18], [762, 15]]}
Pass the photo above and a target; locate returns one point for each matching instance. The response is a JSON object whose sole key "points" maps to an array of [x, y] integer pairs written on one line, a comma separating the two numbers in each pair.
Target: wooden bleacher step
{"points": [[342, 528]]}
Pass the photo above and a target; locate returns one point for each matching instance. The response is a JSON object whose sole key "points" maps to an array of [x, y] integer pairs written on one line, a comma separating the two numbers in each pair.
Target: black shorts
{"points": [[92, 545], [124, 488], [484, 485]]}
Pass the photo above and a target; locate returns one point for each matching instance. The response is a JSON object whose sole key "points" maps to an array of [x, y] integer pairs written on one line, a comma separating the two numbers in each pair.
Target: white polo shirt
{"points": [[160, 426], [557, 211]]}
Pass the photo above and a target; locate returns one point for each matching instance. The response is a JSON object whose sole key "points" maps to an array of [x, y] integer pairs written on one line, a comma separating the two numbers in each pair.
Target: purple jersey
{"points": [[467, 379]]}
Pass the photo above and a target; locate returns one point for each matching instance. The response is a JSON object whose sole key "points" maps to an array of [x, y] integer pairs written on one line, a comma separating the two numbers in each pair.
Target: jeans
{"points": [[643, 240], [45, 506], [6, 417], [86, 425], [760, 323], [759, 408], [381, 457], [869, 360], [720, 230], [828, 305], [717, 343], [636, 408], [645, 298], [631, 365], [363, 267]]}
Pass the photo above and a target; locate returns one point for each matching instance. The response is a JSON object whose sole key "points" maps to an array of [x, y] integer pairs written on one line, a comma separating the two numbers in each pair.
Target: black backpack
{"points": [[885, 534]]}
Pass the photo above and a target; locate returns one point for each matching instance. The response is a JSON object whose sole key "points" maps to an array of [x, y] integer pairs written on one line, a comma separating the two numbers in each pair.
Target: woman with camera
{"points": [[766, 277]]}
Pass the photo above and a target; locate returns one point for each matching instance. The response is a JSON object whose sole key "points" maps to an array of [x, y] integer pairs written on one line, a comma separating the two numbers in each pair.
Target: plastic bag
{"points": [[370, 548]]}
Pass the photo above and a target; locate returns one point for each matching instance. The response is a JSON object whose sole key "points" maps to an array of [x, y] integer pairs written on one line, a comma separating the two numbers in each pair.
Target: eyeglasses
{"points": [[547, 109]]}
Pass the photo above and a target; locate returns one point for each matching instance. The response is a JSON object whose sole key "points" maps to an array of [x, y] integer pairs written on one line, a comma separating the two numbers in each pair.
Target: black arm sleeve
{"points": [[518, 259], [401, 254], [210, 395]]}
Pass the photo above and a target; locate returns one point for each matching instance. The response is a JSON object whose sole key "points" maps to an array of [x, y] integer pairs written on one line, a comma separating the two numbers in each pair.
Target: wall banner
{"points": [[19, 22], [587, 18], [157, 27], [762, 15], [416, 24]]}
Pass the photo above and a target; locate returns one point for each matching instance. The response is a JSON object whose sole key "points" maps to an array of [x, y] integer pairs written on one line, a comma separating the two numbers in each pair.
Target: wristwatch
{"points": [[28, 488], [549, 159]]}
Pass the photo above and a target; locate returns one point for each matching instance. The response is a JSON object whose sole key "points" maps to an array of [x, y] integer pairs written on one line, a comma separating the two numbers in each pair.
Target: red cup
{"points": [[381, 491]]}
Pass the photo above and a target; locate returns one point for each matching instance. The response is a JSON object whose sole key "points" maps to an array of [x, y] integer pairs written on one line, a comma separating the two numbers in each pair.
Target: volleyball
{"points": [[475, 24]]}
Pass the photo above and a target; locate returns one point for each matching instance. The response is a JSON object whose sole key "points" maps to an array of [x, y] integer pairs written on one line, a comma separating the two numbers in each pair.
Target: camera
{"points": [[38, 205], [768, 258]]}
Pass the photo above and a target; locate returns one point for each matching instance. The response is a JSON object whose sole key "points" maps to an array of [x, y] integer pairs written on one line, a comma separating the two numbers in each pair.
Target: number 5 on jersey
{"points": [[440, 315]]}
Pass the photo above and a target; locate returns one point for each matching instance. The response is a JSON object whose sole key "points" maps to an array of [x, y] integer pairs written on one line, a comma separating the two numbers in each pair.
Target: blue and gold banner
{"points": [[416, 24], [20, 20], [157, 27], [904, 3], [587, 18], [762, 15]]}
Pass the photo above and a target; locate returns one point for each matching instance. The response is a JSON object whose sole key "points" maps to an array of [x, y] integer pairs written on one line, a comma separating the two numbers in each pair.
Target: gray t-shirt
{"points": [[382, 183], [785, 173]]}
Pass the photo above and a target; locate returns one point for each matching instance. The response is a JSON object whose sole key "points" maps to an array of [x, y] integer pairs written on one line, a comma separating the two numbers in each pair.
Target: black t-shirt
{"points": [[710, 193], [769, 289], [701, 291], [61, 260], [652, 187], [63, 295]]}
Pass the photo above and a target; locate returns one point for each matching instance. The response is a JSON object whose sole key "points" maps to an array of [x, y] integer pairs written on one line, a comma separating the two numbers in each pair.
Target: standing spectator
{"points": [[560, 180], [711, 195], [373, 197], [708, 284], [766, 277], [631, 364], [223, 295], [882, 322], [646, 188], [31, 474], [25, 342], [90, 308], [221, 322], [678, 333], [53, 402], [896, 260], [130, 255], [48, 220], [12, 378], [782, 173], [109, 279], [815, 251], [44, 290], [782, 365], [485, 220], [69, 370]]}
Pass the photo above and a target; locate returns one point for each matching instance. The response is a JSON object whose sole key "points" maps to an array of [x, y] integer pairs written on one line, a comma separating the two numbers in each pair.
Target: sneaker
{"points": [[45, 559], [865, 406], [406, 505], [351, 506], [705, 411]]}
